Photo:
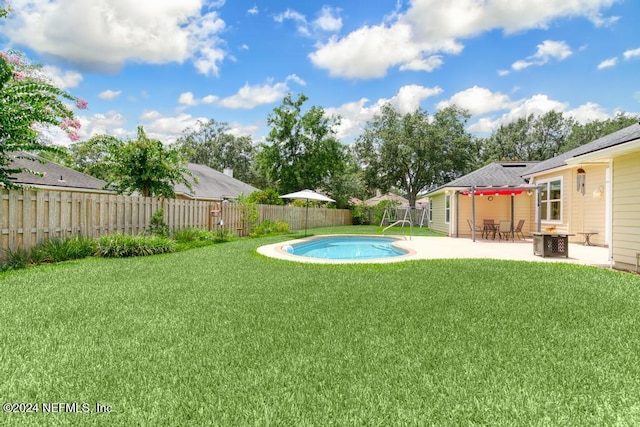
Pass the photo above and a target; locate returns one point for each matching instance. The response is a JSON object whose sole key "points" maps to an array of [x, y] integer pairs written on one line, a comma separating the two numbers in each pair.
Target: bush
{"points": [[265, 197], [270, 227], [11, 260], [120, 245], [57, 250], [157, 226], [192, 234], [362, 214]]}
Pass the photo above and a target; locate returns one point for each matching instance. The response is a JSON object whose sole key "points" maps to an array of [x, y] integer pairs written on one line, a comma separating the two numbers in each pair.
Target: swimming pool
{"points": [[346, 247]]}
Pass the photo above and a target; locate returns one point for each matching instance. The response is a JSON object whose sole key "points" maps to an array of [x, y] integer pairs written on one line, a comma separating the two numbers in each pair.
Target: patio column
{"points": [[473, 213]]}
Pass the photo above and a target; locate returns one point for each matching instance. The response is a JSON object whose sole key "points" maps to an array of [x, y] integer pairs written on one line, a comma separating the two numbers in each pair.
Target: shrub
{"points": [[362, 214], [157, 226], [120, 245], [15, 259], [191, 234], [56, 250], [265, 197], [270, 227]]}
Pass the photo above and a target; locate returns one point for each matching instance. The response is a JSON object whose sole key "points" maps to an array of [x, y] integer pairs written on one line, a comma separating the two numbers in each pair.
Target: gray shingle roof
{"points": [[497, 174], [213, 185], [53, 174], [627, 134]]}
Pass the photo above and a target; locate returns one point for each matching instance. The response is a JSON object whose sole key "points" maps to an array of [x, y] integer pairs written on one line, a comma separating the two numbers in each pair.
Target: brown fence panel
{"points": [[29, 216]]}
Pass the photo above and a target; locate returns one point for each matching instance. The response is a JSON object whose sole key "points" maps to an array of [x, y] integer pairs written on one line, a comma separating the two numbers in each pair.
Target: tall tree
{"points": [[584, 133], [536, 138], [211, 144], [29, 104], [144, 165], [91, 156], [415, 152], [302, 150]]}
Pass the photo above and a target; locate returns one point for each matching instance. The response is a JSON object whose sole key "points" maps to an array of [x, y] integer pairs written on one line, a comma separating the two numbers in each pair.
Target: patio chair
{"points": [[489, 227], [504, 230], [478, 228], [518, 229]]}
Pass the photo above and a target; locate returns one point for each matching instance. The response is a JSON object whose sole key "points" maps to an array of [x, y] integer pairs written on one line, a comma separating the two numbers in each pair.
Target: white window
{"points": [[447, 208], [551, 200]]}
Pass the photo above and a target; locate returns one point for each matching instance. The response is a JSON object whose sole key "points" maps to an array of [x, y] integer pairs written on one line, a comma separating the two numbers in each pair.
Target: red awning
{"points": [[495, 191]]}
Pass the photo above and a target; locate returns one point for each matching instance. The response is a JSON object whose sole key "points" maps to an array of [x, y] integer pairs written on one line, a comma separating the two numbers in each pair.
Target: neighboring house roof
{"points": [[496, 174], [389, 196], [630, 133], [52, 174], [213, 185]]}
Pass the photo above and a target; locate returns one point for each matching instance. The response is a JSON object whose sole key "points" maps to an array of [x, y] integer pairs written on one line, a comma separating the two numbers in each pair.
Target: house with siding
{"points": [[590, 189], [496, 191], [594, 188]]}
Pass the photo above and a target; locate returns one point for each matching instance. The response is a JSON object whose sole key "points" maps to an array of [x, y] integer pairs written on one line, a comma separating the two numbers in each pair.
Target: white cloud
{"points": [[503, 73], [253, 10], [631, 53], [354, 115], [168, 128], [291, 15], [189, 100], [608, 63], [547, 50], [109, 123], [106, 34], [431, 27], [251, 96], [478, 100], [410, 97], [61, 79], [109, 94], [329, 20], [538, 105], [588, 112], [421, 64]]}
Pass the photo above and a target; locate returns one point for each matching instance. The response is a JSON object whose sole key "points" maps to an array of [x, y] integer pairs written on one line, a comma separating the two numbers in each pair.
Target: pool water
{"points": [[346, 247]]}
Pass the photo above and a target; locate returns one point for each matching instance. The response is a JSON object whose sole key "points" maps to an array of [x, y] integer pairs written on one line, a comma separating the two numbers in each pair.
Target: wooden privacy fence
{"points": [[29, 216]]}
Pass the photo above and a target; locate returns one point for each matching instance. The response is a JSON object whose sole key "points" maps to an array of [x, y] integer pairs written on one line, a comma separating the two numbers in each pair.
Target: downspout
{"points": [[538, 210], [609, 213], [473, 213], [457, 214]]}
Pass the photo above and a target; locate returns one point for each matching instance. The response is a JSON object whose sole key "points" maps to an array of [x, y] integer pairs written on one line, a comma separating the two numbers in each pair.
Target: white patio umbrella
{"points": [[307, 195]]}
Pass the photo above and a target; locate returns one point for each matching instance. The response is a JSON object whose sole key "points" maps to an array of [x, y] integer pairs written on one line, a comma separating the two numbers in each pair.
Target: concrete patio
{"points": [[449, 247]]}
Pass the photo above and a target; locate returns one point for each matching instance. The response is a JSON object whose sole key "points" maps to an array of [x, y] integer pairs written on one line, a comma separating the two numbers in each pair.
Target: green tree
{"points": [[415, 152], [28, 104], [211, 144], [584, 133], [265, 197], [145, 165], [91, 156], [303, 151], [537, 138]]}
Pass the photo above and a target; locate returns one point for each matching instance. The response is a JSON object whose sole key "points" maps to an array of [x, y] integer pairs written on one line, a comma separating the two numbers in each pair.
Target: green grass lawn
{"points": [[223, 336]]}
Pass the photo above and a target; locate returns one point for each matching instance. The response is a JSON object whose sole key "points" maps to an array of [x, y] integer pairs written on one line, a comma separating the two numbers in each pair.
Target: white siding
{"points": [[626, 210]]}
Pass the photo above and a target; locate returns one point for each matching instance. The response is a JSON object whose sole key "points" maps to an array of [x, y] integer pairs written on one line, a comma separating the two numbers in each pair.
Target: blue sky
{"points": [[165, 64]]}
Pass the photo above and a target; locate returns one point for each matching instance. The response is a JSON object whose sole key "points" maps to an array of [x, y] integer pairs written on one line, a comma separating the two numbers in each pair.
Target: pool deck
{"points": [[449, 247]]}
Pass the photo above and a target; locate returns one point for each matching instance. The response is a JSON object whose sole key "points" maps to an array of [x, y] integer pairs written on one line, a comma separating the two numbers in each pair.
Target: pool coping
{"points": [[426, 248], [275, 251]]}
